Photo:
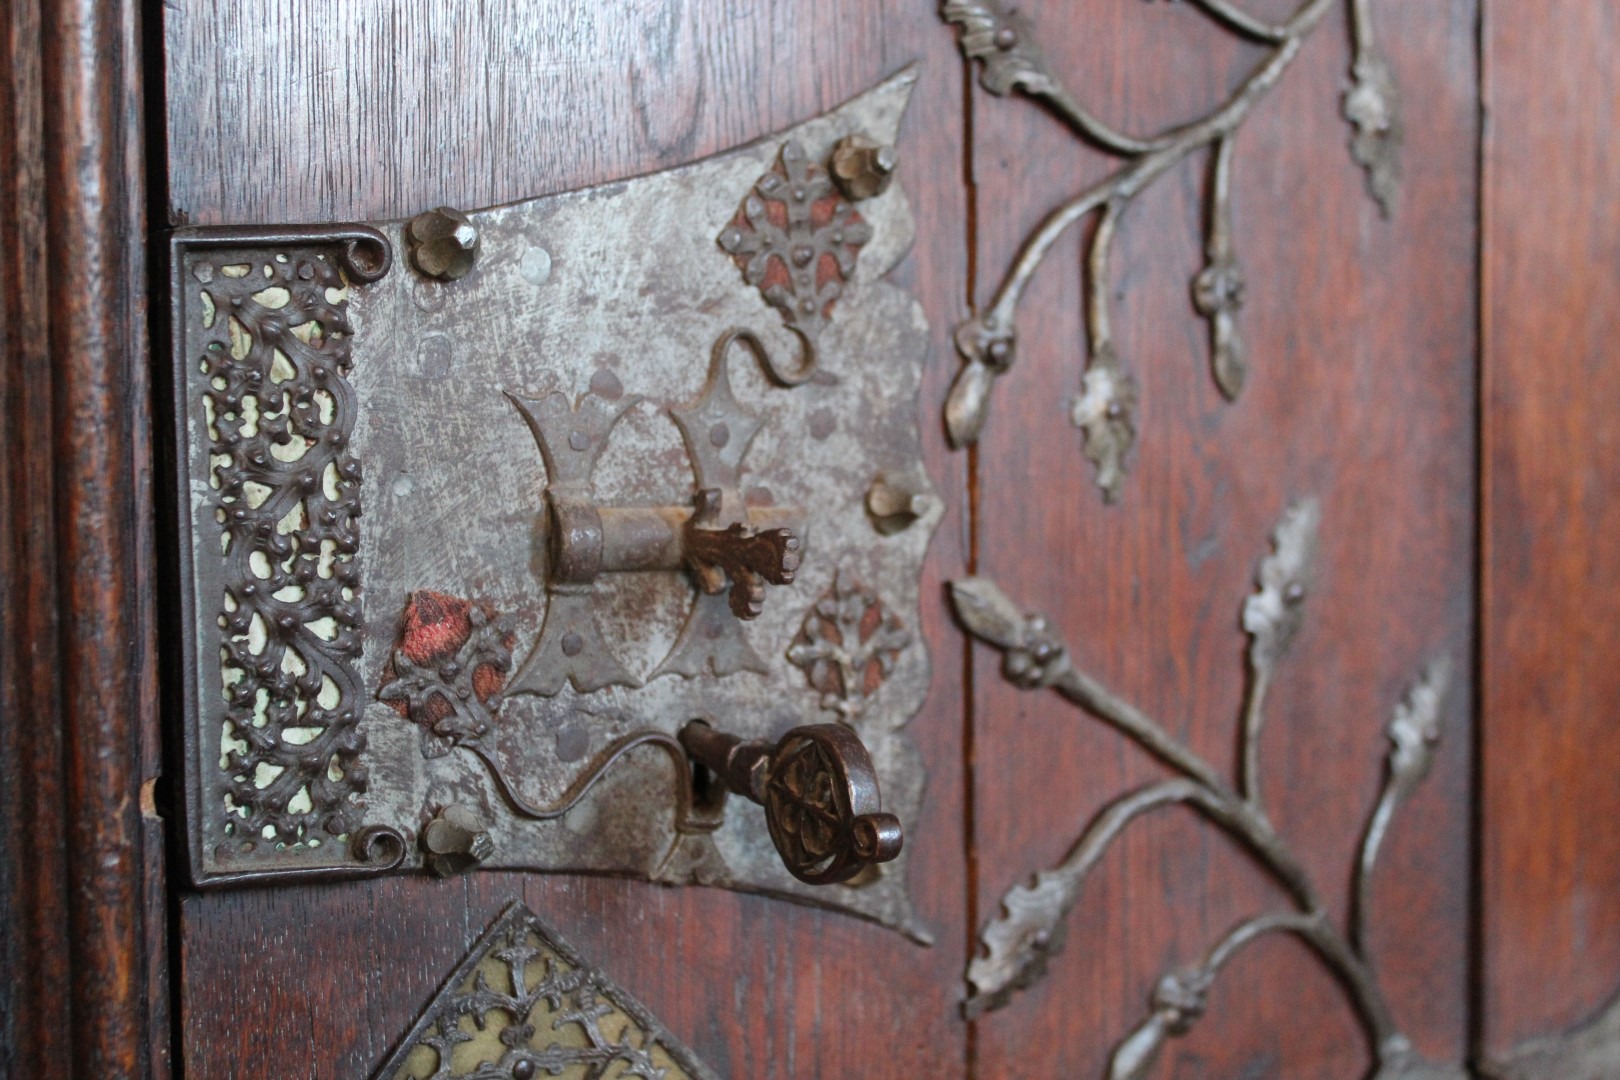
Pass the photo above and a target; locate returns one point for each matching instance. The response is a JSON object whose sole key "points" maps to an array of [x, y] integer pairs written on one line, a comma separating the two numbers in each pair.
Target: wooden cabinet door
{"points": [[1356, 417], [1268, 731]]}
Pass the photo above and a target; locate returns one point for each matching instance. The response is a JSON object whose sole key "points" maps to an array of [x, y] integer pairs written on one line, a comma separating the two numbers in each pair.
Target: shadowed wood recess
{"points": [[1550, 622]]}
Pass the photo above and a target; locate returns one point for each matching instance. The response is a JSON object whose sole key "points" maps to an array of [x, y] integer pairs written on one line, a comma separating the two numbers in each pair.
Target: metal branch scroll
{"points": [[1018, 945], [1105, 410]]}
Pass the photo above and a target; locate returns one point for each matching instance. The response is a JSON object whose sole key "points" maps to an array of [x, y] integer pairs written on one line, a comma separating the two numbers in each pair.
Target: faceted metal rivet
{"points": [[455, 841], [443, 243], [862, 168]]}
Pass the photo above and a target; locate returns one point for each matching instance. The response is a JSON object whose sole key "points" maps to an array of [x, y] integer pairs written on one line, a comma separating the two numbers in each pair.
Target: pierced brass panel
{"points": [[524, 1004]]}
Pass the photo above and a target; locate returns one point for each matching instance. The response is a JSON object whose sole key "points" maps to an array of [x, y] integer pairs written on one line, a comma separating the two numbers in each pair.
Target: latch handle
{"points": [[738, 556]]}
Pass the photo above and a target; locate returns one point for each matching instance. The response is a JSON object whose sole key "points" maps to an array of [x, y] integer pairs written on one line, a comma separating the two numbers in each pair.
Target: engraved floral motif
{"points": [[796, 238], [848, 645], [448, 670], [448, 675]]}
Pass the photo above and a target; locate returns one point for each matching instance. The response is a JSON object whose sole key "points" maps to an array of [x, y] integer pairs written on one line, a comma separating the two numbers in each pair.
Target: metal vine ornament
{"points": [[1105, 410], [1018, 945]]}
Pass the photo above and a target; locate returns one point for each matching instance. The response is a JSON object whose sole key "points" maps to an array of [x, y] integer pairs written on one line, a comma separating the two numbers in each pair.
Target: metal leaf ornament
{"points": [[1414, 731], [1373, 107], [1018, 945], [1274, 613]]}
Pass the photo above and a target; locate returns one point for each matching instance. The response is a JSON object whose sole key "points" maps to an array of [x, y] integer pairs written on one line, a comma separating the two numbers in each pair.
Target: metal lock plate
{"points": [[462, 556]]}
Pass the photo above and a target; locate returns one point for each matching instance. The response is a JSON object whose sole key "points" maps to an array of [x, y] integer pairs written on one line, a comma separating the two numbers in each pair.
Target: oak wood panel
{"points": [[375, 109], [1550, 617], [1361, 391]]}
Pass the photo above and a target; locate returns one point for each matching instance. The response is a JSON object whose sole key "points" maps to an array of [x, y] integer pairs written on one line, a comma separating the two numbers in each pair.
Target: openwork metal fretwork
{"points": [[523, 1005], [264, 319], [1105, 410], [1018, 945]]}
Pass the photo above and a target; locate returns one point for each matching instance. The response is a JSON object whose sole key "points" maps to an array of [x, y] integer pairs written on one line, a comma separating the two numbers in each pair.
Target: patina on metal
{"points": [[848, 646], [455, 841], [270, 489], [729, 547], [1003, 42], [1018, 945], [861, 168], [524, 1005], [820, 794], [606, 482], [448, 676], [443, 243], [797, 239], [897, 503]]}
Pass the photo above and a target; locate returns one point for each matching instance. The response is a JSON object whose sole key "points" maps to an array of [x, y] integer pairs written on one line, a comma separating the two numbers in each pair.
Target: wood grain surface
{"points": [[82, 893], [1361, 392], [1550, 624], [281, 112], [33, 876]]}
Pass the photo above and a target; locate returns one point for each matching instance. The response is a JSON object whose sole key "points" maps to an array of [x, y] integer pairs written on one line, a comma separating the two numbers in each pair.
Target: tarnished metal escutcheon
{"points": [[482, 528]]}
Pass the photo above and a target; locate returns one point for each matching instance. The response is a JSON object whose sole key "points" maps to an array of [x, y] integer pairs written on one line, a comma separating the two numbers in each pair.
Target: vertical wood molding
{"points": [[1550, 529], [81, 891], [34, 1026]]}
